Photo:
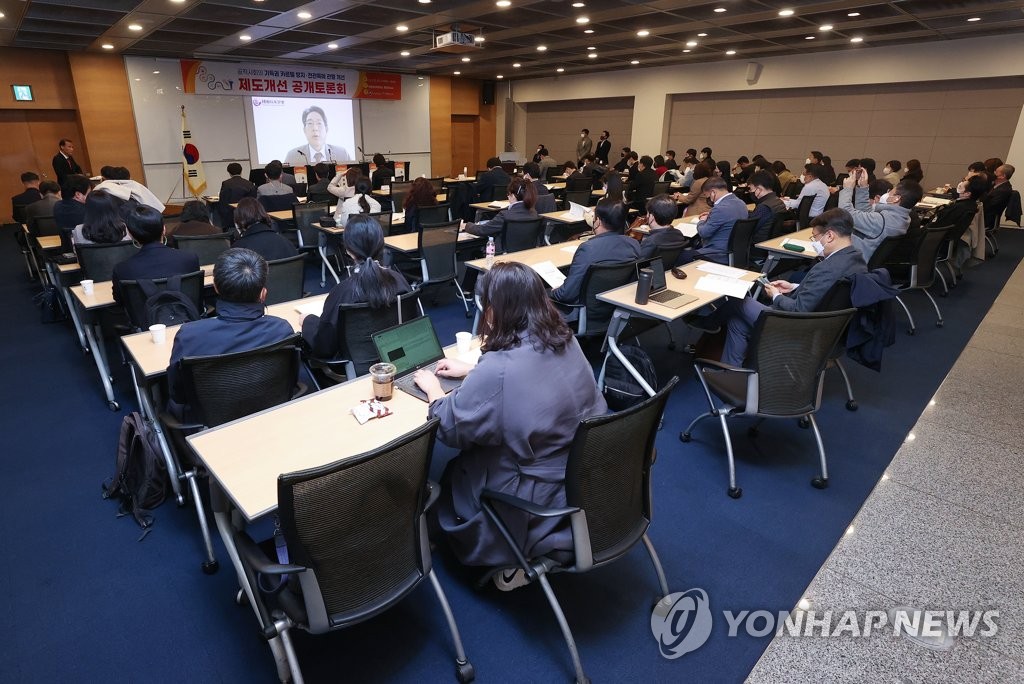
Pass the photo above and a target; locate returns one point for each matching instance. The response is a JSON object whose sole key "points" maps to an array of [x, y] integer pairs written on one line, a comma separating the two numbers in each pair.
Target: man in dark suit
{"points": [[70, 210], [604, 147], [661, 211], [240, 280], [608, 246], [154, 259], [64, 164], [29, 196], [493, 177], [641, 184], [715, 226], [831, 233], [231, 191], [44, 207], [999, 196]]}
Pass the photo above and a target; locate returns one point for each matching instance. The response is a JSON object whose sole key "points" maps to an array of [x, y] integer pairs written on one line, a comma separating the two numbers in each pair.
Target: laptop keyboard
{"points": [[409, 386], [666, 296]]}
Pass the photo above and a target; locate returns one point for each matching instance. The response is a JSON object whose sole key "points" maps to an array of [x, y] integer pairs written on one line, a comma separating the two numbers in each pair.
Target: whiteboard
{"points": [[399, 127]]}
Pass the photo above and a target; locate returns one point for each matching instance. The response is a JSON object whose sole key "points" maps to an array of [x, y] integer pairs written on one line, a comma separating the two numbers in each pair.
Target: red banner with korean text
{"points": [[201, 77]]}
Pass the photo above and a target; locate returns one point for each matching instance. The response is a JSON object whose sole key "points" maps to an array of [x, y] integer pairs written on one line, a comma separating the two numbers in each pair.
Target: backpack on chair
{"points": [[140, 480], [169, 306], [621, 390]]}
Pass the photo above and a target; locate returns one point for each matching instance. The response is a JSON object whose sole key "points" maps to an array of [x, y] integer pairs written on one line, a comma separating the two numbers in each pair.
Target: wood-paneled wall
{"points": [[462, 130]]}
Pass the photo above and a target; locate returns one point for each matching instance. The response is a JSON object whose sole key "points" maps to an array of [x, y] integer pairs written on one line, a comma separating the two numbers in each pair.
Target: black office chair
{"points": [[277, 202], [579, 185], [838, 299], [134, 299], [593, 315], [661, 187], [399, 191], [782, 379], [285, 279], [546, 204], [741, 240], [923, 270], [1011, 207], [519, 235], [206, 247], [305, 215], [792, 188], [372, 553], [560, 231], [581, 197], [438, 184], [98, 261], [803, 212], [437, 248], [384, 219], [608, 502], [435, 215]]}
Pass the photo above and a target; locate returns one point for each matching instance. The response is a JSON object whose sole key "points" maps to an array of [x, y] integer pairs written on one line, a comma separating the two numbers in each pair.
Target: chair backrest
{"points": [[546, 204], [789, 351], [359, 322], [226, 387], [577, 184], [358, 526], [134, 299], [438, 183], [285, 279], [384, 219], [432, 216], [923, 270], [206, 247], [97, 261], [803, 212], [885, 249], [599, 278], [661, 187], [741, 239], [438, 245], [581, 197], [608, 475], [399, 191], [46, 225], [277, 202], [792, 188], [837, 298], [832, 202], [561, 231], [523, 234], [305, 215], [778, 226], [498, 193]]}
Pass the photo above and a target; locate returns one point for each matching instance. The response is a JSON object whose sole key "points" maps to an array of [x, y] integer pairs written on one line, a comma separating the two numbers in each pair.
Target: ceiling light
{"points": [[465, 59], [853, 14], [591, 47], [786, 13], [244, 37], [643, 33], [856, 39], [136, 78], [402, 28], [107, 46], [134, 27], [582, 20], [702, 35], [304, 15], [516, 65], [588, 31], [687, 50], [424, 2], [592, 55], [974, 19], [691, 43], [457, 73], [577, 5], [808, 37], [719, 10], [542, 48], [178, 2], [730, 52], [504, 3], [499, 76], [634, 61], [478, 39], [156, 71], [420, 78], [559, 69], [825, 27], [405, 53], [332, 46]]}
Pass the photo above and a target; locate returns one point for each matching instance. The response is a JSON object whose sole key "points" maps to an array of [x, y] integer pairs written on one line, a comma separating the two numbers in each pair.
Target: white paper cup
{"points": [[159, 333], [87, 286], [463, 341], [385, 188]]}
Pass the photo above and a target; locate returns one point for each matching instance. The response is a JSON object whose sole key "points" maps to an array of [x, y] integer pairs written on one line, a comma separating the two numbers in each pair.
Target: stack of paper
{"points": [[550, 273], [725, 271], [499, 204], [723, 285], [576, 211], [315, 307]]}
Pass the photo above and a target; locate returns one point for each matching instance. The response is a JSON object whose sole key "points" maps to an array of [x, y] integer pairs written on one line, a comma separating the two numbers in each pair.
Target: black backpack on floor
{"points": [[140, 480], [621, 390], [169, 306]]}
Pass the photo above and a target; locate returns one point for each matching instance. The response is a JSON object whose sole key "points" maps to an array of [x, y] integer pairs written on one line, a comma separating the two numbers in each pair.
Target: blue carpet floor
{"points": [[84, 601]]}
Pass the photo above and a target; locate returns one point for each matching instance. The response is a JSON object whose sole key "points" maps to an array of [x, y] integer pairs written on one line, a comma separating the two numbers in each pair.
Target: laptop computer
{"points": [[411, 346], [659, 288]]}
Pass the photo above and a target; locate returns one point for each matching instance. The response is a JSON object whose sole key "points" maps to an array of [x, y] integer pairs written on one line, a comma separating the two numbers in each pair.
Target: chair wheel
{"points": [[851, 405], [684, 437], [469, 314], [464, 672], [113, 406], [939, 324], [820, 483], [210, 567], [241, 598], [910, 331], [752, 432], [804, 422], [735, 492]]}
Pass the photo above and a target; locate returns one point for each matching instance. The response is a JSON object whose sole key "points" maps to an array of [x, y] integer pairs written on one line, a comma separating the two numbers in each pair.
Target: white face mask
{"points": [[803, 178], [818, 247], [884, 199], [961, 187], [887, 170], [807, 161], [583, 135], [702, 156]]}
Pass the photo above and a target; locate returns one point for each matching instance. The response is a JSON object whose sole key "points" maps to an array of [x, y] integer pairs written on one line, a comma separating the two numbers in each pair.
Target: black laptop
{"points": [[659, 288], [411, 346]]}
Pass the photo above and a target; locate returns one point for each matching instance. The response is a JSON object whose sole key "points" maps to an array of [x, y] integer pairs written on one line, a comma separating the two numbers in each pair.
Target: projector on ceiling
{"points": [[455, 41]]}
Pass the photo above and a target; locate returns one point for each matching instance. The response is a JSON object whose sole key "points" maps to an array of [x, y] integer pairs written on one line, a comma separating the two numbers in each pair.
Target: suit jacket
{"points": [[765, 212], [68, 214], [642, 186], [583, 147], [275, 188], [545, 164], [382, 176], [151, 262], [64, 167], [266, 242], [236, 188], [694, 199], [36, 210], [490, 179], [297, 156], [606, 248], [662, 238], [995, 202], [603, 148], [20, 201], [494, 226], [715, 230], [820, 279]]}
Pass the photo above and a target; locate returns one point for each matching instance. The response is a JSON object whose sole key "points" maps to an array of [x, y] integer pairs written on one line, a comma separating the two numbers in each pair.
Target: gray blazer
{"points": [[820, 279]]}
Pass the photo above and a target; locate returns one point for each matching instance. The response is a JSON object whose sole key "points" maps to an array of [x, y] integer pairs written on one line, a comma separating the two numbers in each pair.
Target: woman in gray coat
{"points": [[514, 418]]}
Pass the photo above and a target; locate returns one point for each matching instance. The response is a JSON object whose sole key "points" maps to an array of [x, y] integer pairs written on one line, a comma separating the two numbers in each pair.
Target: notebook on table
{"points": [[410, 347], [659, 287]]}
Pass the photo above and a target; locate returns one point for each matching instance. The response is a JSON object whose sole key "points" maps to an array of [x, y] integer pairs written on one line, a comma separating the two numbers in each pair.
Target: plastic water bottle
{"points": [[489, 251], [465, 171]]}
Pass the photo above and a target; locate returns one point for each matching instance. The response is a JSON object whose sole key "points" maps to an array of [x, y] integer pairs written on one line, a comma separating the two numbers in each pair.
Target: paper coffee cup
{"points": [[87, 286], [385, 188], [464, 342], [159, 333]]}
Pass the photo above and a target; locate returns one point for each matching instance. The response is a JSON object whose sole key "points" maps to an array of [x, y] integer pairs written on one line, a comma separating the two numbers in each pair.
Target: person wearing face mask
{"points": [[624, 157], [784, 175], [813, 187], [715, 226], [888, 219], [768, 204], [831, 236], [813, 158], [705, 156], [670, 160], [583, 146], [604, 148], [878, 191], [828, 177], [661, 211], [891, 172], [537, 156]]}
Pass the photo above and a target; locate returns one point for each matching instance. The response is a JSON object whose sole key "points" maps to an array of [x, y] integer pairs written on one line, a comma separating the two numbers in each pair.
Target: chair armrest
{"points": [[173, 423], [718, 365], [527, 506], [255, 558]]}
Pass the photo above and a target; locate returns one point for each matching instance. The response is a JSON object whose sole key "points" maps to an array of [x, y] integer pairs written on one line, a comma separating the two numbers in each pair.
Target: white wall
{"points": [[652, 87]]}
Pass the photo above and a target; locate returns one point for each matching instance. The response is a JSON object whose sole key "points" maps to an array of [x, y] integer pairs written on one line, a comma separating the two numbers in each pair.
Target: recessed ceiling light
{"points": [[808, 37], [856, 39], [425, 2], [420, 78], [559, 69], [244, 37], [592, 55], [702, 35], [134, 27], [404, 53], [465, 59], [687, 50], [853, 14], [457, 73], [588, 31], [332, 46], [974, 19], [156, 71], [825, 27], [504, 3], [402, 27], [542, 48], [786, 13], [136, 78], [730, 52], [577, 5], [178, 2], [499, 76], [107, 46], [516, 65], [634, 61], [643, 33], [691, 43], [479, 39], [582, 20], [719, 10], [304, 15]]}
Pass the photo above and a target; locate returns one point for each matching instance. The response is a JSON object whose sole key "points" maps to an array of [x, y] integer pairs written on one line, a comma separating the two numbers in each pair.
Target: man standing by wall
{"points": [[584, 146], [64, 164]]}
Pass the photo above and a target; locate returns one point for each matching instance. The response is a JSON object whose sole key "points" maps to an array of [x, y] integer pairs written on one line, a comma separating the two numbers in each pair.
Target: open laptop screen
{"points": [[409, 346], [658, 282]]}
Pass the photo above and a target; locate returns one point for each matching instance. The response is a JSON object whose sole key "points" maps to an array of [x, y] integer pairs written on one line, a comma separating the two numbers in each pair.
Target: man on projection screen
{"points": [[314, 125]]}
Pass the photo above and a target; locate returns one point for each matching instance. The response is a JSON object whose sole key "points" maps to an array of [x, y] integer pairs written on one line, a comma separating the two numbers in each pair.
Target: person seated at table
{"points": [[240, 281], [608, 246], [531, 172], [512, 427], [44, 207], [641, 184], [767, 203], [997, 198], [742, 169], [384, 172], [30, 195], [891, 172], [275, 184], [361, 202], [784, 175], [343, 185], [914, 171], [570, 171], [969, 193], [70, 210], [319, 177], [724, 171], [521, 199], [421, 194], [258, 232], [813, 187], [155, 259], [715, 226], [494, 179], [659, 166], [890, 218], [194, 220], [370, 283], [102, 223], [661, 212], [831, 235], [613, 186], [694, 201], [591, 169], [670, 160]]}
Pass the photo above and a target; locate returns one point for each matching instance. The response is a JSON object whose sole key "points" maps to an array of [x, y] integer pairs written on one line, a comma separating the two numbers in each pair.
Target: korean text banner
{"points": [[201, 77]]}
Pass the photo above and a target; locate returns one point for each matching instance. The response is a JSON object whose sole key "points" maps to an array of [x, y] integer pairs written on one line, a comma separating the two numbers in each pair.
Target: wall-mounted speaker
{"points": [[753, 72], [487, 89]]}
